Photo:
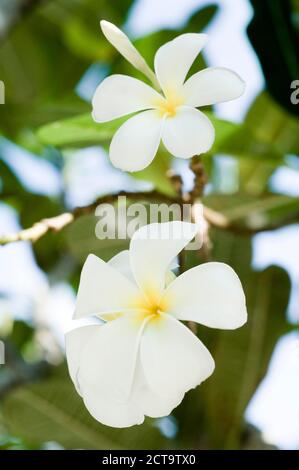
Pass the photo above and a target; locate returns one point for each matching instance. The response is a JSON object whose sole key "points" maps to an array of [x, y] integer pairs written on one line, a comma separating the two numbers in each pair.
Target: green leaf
{"points": [[78, 131], [254, 175], [242, 357], [118, 222], [21, 334], [271, 125], [224, 132], [81, 240], [52, 411], [247, 211], [261, 143], [9, 183], [82, 130], [49, 249], [40, 63], [201, 18], [31, 59], [80, 28], [156, 173], [92, 46], [280, 34], [243, 143], [213, 414]]}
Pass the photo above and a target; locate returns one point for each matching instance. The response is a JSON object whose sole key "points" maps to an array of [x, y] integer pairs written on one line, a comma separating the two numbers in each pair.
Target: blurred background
{"points": [[54, 158]]}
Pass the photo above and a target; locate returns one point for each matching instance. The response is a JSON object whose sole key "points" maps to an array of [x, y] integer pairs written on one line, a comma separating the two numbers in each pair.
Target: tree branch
{"points": [[220, 221], [199, 181], [59, 222]]}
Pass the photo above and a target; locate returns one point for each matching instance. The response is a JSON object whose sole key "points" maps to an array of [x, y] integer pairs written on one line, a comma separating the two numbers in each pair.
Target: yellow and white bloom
{"points": [[143, 360], [170, 115]]}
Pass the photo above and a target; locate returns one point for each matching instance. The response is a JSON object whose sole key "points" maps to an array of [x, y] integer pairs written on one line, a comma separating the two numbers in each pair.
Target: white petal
{"points": [[173, 358], [210, 294], [123, 44], [109, 359], [99, 284], [136, 142], [142, 401], [174, 59], [188, 133], [107, 369], [107, 407], [121, 262], [153, 248], [119, 95], [151, 403], [75, 342], [212, 85], [111, 413], [170, 276]]}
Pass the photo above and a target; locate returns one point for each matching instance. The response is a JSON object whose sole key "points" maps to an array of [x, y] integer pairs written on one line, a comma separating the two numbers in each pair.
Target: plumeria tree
{"points": [[155, 363]]}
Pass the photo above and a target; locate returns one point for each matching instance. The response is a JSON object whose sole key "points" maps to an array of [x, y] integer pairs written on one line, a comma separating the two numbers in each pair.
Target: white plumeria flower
{"points": [[143, 360], [171, 115]]}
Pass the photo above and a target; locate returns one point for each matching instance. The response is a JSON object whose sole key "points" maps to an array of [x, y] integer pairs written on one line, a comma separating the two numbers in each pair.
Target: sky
{"points": [[275, 407]]}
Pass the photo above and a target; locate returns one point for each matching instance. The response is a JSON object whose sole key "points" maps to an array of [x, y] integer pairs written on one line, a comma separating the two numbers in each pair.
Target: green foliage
{"points": [[214, 415], [82, 131], [56, 413], [246, 212], [260, 144], [80, 235], [21, 334], [149, 44], [78, 131], [273, 126], [279, 33], [42, 60], [81, 240], [242, 359]]}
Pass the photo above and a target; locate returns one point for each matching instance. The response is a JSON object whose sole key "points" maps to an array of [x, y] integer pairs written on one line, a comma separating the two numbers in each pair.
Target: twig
{"points": [[200, 179], [176, 181], [199, 182], [59, 222], [220, 221]]}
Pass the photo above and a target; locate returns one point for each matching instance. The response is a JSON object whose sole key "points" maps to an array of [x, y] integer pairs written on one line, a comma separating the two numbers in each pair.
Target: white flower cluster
{"points": [[138, 359]]}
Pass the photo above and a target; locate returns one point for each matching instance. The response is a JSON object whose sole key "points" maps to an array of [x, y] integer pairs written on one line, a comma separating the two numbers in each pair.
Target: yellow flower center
{"points": [[168, 106], [153, 309], [151, 305]]}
